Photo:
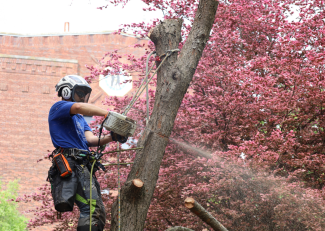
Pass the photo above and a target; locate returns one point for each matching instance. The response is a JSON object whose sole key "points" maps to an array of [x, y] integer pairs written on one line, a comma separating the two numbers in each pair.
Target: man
{"points": [[72, 137]]}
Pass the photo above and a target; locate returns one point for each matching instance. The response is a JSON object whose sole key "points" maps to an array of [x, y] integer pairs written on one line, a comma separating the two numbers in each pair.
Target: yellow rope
{"points": [[118, 187], [91, 191]]}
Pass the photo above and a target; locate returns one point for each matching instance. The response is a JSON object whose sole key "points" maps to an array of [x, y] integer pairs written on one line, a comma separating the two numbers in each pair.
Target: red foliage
{"points": [[257, 93]]}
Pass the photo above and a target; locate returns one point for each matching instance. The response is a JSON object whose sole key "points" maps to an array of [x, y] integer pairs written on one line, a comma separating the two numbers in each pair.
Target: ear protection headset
{"points": [[66, 93]]}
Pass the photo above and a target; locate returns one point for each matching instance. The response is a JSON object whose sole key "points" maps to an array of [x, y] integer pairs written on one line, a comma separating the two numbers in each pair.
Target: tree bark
{"points": [[173, 80], [204, 215]]}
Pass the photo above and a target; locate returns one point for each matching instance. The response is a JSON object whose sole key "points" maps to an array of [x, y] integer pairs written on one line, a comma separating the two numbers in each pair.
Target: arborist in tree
{"points": [[71, 136]]}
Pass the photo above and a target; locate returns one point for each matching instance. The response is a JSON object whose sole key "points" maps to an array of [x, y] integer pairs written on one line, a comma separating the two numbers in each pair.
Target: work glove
{"points": [[119, 138]]}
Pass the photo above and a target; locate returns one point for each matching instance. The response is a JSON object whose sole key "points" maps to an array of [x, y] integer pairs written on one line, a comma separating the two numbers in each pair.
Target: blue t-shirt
{"points": [[67, 131]]}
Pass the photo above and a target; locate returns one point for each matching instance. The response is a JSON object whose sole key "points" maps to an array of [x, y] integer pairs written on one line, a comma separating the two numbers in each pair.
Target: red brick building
{"points": [[30, 67]]}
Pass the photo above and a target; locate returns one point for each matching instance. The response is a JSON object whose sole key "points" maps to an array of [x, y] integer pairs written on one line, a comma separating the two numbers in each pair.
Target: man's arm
{"points": [[93, 140], [87, 109]]}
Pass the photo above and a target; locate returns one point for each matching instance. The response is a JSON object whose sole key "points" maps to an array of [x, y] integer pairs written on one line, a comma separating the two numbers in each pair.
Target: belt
{"points": [[79, 154], [70, 151]]}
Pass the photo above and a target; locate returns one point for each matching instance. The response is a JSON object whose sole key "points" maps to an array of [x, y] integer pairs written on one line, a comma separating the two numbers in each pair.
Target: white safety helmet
{"points": [[75, 87]]}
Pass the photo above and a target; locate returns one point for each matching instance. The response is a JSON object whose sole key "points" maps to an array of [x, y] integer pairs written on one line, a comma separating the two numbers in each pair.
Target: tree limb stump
{"points": [[134, 188], [137, 183], [204, 215]]}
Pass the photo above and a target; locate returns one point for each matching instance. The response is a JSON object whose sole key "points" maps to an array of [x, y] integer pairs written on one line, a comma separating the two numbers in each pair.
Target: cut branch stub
{"points": [[134, 189], [204, 215], [137, 183], [134, 185], [189, 202]]}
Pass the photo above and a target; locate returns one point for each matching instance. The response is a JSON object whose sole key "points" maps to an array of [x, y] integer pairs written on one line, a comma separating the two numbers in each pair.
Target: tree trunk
{"points": [[173, 79]]}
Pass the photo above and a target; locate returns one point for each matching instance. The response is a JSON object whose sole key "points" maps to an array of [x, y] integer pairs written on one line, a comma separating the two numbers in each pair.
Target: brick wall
{"points": [[30, 67]]}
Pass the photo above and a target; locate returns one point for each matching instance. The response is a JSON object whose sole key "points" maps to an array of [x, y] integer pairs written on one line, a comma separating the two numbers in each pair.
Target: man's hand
{"points": [[119, 138]]}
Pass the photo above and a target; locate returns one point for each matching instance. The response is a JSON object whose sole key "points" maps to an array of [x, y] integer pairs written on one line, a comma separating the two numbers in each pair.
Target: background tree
{"points": [[256, 104], [10, 218]]}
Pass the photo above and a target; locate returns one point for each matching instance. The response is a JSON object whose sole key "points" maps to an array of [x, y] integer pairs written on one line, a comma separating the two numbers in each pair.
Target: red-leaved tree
{"points": [[256, 104]]}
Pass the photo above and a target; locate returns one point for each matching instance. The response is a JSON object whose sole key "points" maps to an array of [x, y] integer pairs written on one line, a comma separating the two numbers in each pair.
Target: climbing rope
{"points": [[145, 83], [118, 187], [91, 191], [147, 88]]}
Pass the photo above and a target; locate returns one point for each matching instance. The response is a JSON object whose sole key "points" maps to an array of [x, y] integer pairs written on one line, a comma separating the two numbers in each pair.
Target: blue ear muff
{"points": [[66, 93]]}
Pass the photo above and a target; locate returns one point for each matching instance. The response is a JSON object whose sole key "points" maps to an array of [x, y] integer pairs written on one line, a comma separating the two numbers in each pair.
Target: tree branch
{"points": [[204, 215]]}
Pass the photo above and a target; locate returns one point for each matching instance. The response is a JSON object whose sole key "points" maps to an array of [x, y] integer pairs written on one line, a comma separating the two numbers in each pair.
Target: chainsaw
{"points": [[120, 124]]}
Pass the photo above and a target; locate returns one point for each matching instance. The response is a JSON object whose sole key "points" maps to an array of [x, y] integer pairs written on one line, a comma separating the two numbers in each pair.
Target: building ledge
{"points": [[67, 34], [38, 58]]}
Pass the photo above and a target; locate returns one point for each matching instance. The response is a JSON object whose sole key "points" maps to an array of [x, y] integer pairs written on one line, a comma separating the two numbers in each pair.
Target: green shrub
{"points": [[10, 218]]}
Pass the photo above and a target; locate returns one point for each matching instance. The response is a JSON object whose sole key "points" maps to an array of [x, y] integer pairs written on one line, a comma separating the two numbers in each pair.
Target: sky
{"points": [[49, 16]]}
